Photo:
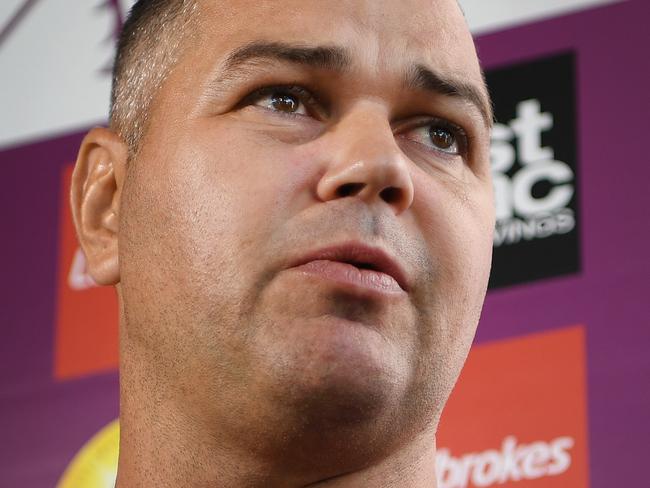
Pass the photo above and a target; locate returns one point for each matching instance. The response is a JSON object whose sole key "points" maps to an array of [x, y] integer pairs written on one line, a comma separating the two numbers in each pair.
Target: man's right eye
{"points": [[290, 100]]}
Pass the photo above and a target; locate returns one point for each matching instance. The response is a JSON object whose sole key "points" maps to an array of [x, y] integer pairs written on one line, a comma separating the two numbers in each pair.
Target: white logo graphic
{"points": [[512, 463], [55, 59], [78, 278], [520, 215]]}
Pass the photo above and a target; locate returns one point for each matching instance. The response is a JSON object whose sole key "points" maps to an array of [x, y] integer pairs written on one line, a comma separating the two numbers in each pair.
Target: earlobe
{"points": [[95, 200]]}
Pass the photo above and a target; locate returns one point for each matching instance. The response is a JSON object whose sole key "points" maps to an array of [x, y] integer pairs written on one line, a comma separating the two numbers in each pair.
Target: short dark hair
{"points": [[147, 49]]}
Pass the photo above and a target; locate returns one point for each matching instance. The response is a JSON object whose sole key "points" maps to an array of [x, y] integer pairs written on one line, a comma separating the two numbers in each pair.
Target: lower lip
{"points": [[350, 276]]}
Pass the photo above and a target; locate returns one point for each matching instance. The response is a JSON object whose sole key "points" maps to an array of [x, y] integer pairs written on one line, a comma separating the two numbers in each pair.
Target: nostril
{"points": [[349, 189], [391, 194]]}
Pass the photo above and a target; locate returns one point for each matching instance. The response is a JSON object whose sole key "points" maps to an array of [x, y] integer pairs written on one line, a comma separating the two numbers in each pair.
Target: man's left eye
{"points": [[438, 136]]}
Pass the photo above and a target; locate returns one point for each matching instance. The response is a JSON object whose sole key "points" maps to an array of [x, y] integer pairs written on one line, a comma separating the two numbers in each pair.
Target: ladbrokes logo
{"points": [[513, 462], [534, 171], [518, 415]]}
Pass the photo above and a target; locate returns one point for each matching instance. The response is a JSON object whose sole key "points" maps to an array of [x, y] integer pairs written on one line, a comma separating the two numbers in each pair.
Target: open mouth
{"points": [[362, 265]]}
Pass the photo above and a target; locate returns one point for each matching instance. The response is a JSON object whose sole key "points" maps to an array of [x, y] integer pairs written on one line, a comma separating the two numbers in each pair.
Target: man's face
{"points": [[305, 234]]}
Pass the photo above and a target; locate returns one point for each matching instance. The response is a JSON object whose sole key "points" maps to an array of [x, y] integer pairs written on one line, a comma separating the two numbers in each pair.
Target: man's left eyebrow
{"points": [[420, 77]]}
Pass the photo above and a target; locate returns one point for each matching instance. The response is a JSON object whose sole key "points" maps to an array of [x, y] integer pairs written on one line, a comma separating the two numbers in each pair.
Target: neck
{"points": [[166, 450], [169, 438]]}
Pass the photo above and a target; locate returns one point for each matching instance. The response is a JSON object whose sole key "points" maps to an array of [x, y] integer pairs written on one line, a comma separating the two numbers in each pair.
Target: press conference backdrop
{"points": [[556, 389]]}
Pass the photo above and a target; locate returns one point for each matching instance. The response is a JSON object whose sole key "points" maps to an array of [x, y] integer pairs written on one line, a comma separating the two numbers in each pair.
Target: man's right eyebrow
{"points": [[332, 58], [250, 56]]}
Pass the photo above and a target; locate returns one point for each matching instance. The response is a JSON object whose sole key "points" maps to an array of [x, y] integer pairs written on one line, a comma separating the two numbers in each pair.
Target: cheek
{"points": [[457, 227], [210, 199], [255, 174], [457, 223]]}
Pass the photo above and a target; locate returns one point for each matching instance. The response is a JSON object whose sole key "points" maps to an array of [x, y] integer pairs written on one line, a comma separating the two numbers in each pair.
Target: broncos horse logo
{"points": [[57, 55], [116, 8]]}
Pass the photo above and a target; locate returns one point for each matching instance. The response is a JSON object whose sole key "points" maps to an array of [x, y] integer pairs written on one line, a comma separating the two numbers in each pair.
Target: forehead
{"points": [[380, 34]]}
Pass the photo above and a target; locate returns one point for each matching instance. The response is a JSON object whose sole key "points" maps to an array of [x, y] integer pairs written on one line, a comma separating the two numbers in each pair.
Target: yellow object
{"points": [[95, 465]]}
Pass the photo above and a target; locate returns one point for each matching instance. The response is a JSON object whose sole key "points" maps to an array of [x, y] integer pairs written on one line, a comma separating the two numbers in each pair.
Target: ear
{"points": [[96, 187]]}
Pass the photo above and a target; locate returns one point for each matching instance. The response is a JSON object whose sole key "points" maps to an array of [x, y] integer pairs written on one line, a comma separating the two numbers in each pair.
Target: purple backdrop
{"points": [[45, 422], [610, 296]]}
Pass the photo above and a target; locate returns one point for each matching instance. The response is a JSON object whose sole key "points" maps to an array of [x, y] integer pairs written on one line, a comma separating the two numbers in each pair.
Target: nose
{"points": [[364, 161]]}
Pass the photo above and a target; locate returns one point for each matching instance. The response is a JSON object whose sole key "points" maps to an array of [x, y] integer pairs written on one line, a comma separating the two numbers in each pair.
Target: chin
{"points": [[338, 372], [340, 393]]}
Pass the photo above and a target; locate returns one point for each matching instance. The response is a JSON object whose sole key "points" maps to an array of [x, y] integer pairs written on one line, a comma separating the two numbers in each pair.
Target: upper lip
{"points": [[360, 255]]}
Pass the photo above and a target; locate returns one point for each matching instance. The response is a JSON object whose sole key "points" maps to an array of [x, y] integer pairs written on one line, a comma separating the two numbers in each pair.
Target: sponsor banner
{"points": [[87, 315], [533, 156], [518, 415]]}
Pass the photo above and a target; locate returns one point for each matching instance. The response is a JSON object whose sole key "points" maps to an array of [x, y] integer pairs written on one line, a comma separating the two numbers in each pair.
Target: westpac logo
{"points": [[518, 415], [533, 201], [533, 155]]}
